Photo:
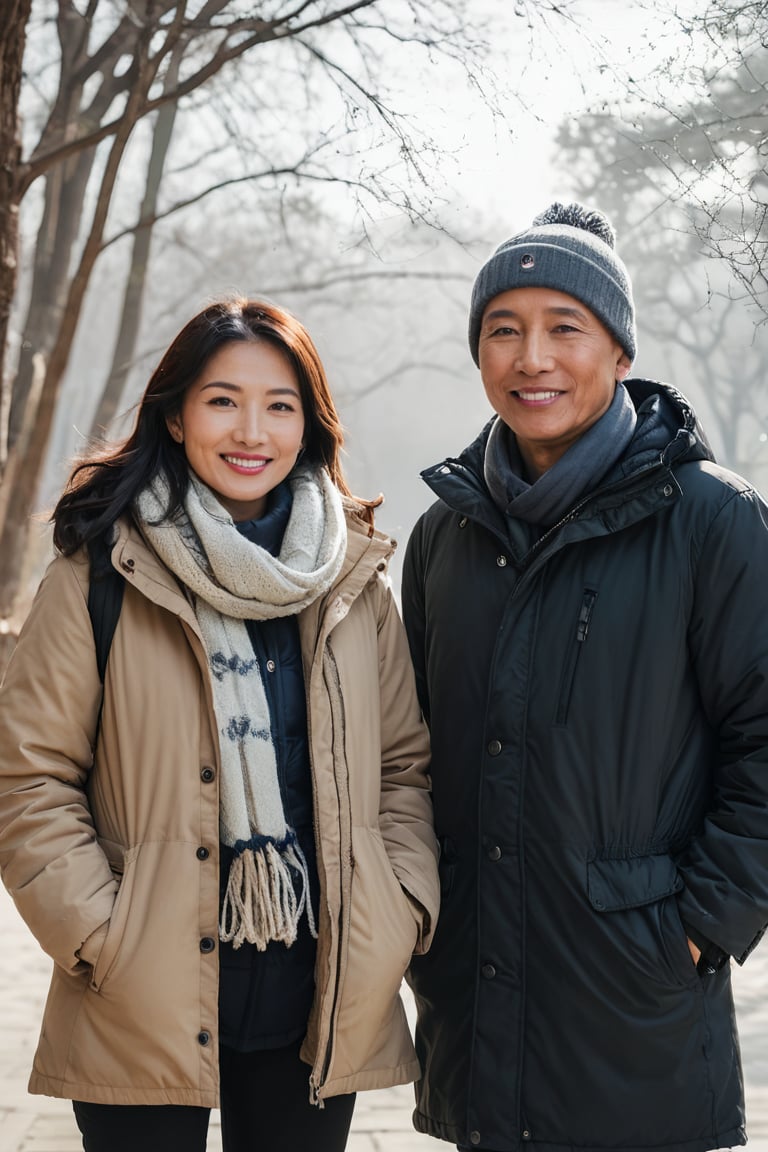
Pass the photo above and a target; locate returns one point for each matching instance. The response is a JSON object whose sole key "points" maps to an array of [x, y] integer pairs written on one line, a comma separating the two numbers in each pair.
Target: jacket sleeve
{"points": [[405, 809], [414, 613], [50, 860], [725, 866]]}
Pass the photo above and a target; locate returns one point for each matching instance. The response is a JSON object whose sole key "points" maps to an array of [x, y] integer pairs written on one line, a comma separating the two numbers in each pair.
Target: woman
{"points": [[227, 851]]}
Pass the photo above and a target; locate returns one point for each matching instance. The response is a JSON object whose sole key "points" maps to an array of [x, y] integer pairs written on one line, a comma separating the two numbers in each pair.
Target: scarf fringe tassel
{"points": [[261, 903]]}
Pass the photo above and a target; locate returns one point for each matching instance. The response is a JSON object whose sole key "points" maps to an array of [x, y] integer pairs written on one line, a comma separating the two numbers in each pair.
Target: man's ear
{"points": [[175, 427], [623, 366]]}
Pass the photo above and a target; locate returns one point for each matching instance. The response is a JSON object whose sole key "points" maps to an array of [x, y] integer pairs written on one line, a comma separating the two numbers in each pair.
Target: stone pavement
{"points": [[382, 1119]]}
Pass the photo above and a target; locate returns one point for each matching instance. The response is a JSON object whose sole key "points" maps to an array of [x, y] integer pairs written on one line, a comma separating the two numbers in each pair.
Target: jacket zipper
{"points": [[569, 668], [323, 1059]]}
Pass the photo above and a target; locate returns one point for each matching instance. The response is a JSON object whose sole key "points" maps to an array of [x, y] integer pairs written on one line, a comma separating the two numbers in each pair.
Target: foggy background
{"points": [[361, 173]]}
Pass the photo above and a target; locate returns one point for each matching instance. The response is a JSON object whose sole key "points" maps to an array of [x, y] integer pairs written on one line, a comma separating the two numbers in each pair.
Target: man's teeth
{"points": [[537, 395]]}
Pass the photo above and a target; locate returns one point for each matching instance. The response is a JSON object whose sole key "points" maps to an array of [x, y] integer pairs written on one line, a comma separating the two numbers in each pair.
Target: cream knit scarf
{"points": [[232, 580]]}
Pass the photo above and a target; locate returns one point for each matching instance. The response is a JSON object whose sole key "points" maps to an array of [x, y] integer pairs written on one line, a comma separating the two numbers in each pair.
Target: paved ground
{"points": [[382, 1119]]}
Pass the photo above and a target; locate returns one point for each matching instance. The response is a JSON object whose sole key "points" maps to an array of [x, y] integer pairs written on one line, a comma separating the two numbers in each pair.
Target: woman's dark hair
{"points": [[103, 485]]}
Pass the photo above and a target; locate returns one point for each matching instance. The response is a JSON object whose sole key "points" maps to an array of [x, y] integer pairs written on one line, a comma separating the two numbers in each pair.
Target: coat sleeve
{"points": [[725, 866], [50, 860], [405, 809], [414, 613]]}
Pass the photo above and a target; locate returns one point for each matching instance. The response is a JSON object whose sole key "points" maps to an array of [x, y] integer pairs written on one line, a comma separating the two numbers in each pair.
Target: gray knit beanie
{"points": [[568, 248]]}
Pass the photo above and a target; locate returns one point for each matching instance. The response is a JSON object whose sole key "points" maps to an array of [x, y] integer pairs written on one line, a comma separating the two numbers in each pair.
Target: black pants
{"points": [[264, 1105]]}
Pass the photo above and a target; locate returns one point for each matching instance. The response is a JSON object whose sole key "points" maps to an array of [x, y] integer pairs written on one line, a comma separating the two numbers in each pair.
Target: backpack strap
{"points": [[105, 599]]}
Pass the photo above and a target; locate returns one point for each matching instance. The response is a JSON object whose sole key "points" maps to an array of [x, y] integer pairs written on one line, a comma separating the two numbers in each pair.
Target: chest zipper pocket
{"points": [[572, 658]]}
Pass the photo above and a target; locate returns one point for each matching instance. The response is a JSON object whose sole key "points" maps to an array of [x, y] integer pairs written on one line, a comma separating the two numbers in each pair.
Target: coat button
{"points": [[494, 748], [271, 665], [203, 1038], [207, 944], [494, 853], [501, 561], [488, 971], [207, 774], [202, 853], [474, 1137]]}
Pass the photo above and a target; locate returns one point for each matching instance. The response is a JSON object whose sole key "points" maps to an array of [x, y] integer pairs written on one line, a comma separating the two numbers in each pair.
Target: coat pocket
{"points": [[613, 884], [571, 661], [637, 897], [117, 921]]}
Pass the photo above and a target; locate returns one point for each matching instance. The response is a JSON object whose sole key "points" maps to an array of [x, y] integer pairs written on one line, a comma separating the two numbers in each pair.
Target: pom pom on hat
{"points": [[577, 216], [570, 249]]}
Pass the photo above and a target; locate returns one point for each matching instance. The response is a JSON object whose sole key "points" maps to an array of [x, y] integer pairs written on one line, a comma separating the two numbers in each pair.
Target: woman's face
{"points": [[242, 425]]}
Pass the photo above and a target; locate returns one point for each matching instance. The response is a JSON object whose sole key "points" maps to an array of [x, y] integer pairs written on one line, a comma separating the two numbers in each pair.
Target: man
{"points": [[586, 606]]}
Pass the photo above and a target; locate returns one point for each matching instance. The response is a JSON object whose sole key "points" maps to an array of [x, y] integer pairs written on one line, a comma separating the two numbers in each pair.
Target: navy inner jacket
{"points": [[265, 997]]}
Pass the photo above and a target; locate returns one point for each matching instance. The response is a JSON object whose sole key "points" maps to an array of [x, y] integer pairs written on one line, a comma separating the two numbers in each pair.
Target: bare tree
{"points": [[698, 126], [12, 41], [118, 65], [692, 324]]}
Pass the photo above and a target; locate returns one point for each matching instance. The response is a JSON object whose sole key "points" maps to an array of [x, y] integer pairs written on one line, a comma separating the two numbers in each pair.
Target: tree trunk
{"points": [[62, 216], [40, 404], [12, 40]]}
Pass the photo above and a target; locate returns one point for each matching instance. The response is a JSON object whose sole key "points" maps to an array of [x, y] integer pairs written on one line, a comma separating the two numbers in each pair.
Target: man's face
{"points": [[549, 368]]}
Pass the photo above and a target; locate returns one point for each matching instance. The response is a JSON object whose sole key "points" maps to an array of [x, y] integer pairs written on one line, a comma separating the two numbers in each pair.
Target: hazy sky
{"points": [[504, 164]]}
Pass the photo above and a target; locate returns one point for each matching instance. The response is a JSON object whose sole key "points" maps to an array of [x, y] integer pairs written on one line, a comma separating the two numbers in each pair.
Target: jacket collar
{"points": [[641, 483], [367, 552]]}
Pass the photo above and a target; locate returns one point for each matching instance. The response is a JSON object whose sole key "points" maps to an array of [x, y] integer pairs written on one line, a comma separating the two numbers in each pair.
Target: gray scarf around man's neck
{"points": [[577, 471]]}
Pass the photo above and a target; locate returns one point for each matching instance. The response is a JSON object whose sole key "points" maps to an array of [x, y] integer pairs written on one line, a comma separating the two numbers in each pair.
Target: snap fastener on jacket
{"points": [[494, 747], [667, 489], [202, 853], [271, 665], [207, 774], [463, 522], [203, 1038], [207, 944], [501, 561], [494, 853], [474, 1137], [488, 971], [525, 1134]]}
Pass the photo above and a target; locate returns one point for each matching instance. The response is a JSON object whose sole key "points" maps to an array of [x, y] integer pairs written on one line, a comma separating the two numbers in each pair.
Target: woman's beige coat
{"points": [[121, 844]]}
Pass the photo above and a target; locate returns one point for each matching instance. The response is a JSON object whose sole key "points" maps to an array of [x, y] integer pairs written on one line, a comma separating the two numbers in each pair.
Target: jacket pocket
{"points": [[572, 656], [637, 897], [630, 882], [117, 921]]}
